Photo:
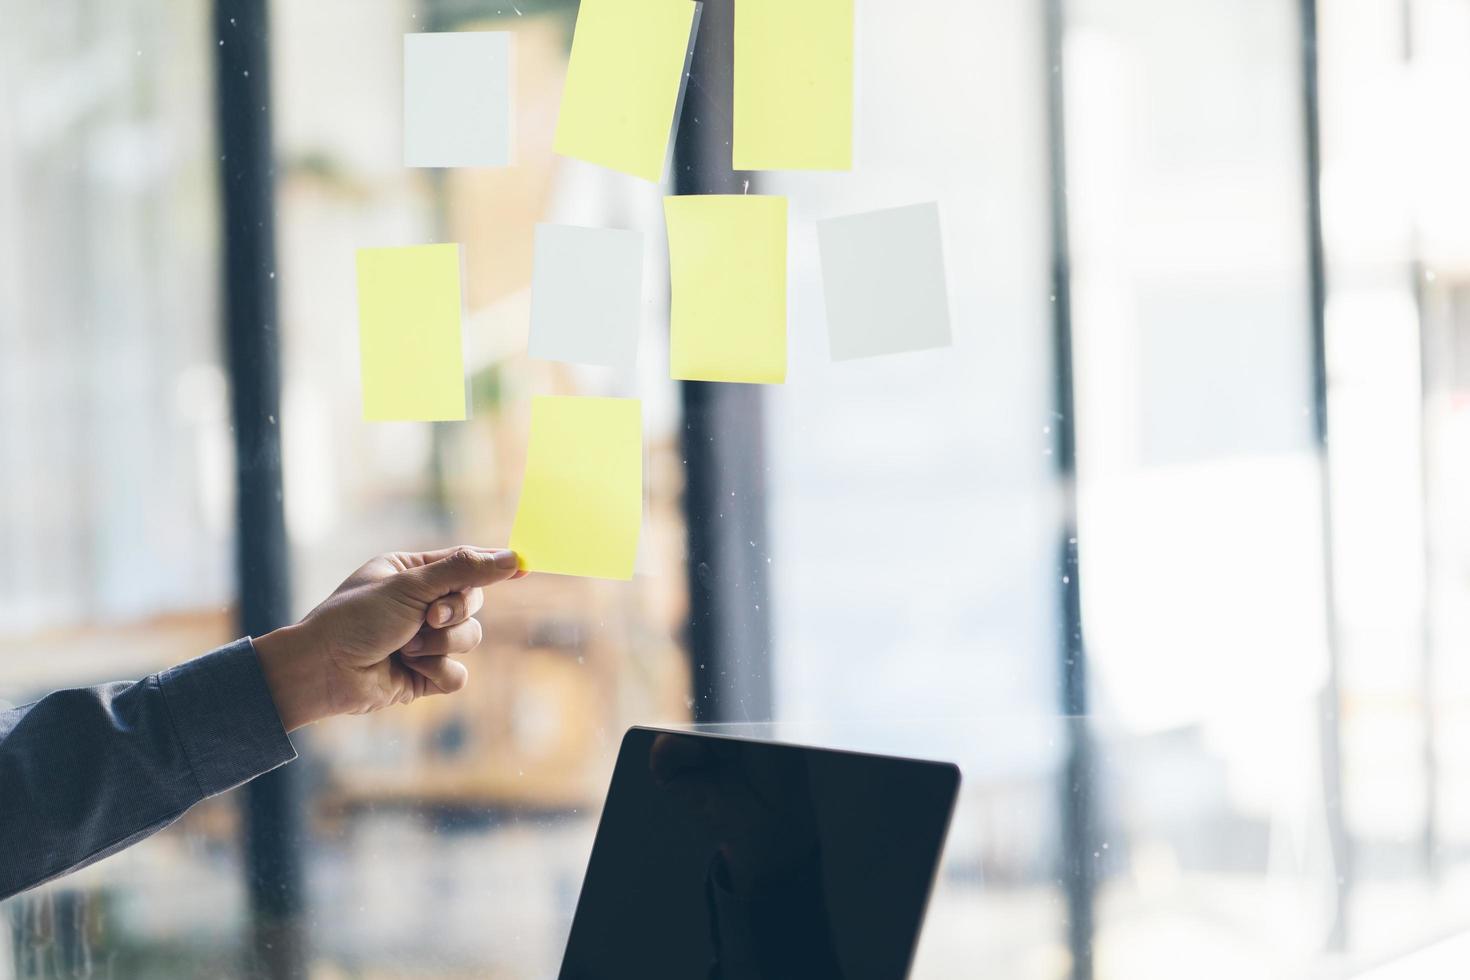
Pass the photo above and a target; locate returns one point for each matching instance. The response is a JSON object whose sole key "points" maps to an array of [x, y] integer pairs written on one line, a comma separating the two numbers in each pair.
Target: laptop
{"points": [[721, 858]]}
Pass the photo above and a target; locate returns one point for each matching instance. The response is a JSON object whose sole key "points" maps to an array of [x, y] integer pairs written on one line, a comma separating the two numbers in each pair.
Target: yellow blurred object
{"points": [[496, 209]]}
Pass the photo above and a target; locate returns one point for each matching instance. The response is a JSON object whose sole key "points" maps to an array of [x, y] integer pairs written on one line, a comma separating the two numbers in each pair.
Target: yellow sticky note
{"points": [[727, 272], [408, 311], [582, 497], [793, 85], [623, 81]]}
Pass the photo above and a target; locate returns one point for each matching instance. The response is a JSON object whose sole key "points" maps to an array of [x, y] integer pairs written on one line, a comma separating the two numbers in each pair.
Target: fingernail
{"points": [[505, 559], [413, 644], [441, 614]]}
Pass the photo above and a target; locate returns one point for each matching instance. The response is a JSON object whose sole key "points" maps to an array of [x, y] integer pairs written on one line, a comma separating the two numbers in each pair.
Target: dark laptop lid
{"points": [[737, 859]]}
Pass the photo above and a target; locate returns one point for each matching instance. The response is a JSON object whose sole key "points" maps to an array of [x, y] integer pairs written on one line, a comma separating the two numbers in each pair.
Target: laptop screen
{"points": [[733, 859]]}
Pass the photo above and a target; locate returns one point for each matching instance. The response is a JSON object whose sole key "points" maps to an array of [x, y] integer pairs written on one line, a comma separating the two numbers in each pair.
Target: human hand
{"points": [[387, 635]]}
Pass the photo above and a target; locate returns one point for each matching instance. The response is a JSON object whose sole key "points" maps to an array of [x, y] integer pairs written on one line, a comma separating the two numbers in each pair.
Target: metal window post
{"points": [[1330, 702], [1429, 359], [272, 803], [1078, 799], [722, 440]]}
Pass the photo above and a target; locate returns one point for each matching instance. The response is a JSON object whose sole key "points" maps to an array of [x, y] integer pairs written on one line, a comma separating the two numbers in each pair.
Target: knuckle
{"points": [[464, 555]]}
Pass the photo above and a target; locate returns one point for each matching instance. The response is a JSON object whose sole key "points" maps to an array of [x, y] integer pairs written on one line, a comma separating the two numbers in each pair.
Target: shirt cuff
{"points": [[225, 718]]}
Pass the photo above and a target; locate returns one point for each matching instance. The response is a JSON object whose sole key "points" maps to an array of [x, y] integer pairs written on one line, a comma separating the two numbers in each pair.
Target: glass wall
{"points": [[915, 512], [116, 483], [1232, 584], [1199, 486], [428, 821], [1394, 208]]}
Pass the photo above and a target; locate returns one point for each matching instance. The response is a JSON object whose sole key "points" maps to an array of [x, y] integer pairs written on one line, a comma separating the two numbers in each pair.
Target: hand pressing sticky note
{"points": [[582, 496], [408, 308], [624, 78], [793, 85], [883, 279], [727, 273]]}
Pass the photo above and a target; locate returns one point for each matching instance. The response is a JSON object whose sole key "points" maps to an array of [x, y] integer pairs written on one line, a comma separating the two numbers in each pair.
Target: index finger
{"points": [[418, 559], [463, 568]]}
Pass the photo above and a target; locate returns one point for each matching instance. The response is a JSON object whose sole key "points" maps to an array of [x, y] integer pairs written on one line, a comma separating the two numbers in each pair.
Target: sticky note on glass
{"points": [[586, 295], [408, 309], [457, 99], [883, 279], [582, 497], [793, 85], [624, 79], [727, 274]]}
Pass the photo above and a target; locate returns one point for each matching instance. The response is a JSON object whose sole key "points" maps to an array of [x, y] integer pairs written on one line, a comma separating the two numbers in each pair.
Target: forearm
{"points": [[87, 772], [294, 674]]}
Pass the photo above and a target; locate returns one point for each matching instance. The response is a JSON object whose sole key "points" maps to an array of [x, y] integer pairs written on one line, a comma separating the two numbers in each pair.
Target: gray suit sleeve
{"points": [[85, 773]]}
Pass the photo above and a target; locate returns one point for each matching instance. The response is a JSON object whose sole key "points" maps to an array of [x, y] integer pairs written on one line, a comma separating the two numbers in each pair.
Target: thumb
{"points": [[464, 568]]}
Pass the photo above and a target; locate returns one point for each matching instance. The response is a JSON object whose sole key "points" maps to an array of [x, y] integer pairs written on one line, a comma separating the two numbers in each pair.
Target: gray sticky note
{"points": [[883, 279], [457, 99], [586, 295]]}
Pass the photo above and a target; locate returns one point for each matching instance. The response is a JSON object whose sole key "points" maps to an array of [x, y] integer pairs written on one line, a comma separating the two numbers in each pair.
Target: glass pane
{"points": [[116, 506], [1393, 212], [913, 497], [429, 820], [1231, 813], [1199, 489]]}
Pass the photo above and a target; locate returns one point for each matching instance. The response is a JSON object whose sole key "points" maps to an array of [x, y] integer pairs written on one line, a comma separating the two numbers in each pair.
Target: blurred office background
{"points": [[1195, 469]]}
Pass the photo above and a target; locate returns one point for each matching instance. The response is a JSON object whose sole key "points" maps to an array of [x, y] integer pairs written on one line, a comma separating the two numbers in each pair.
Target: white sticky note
{"points": [[883, 278], [586, 295], [457, 99]]}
